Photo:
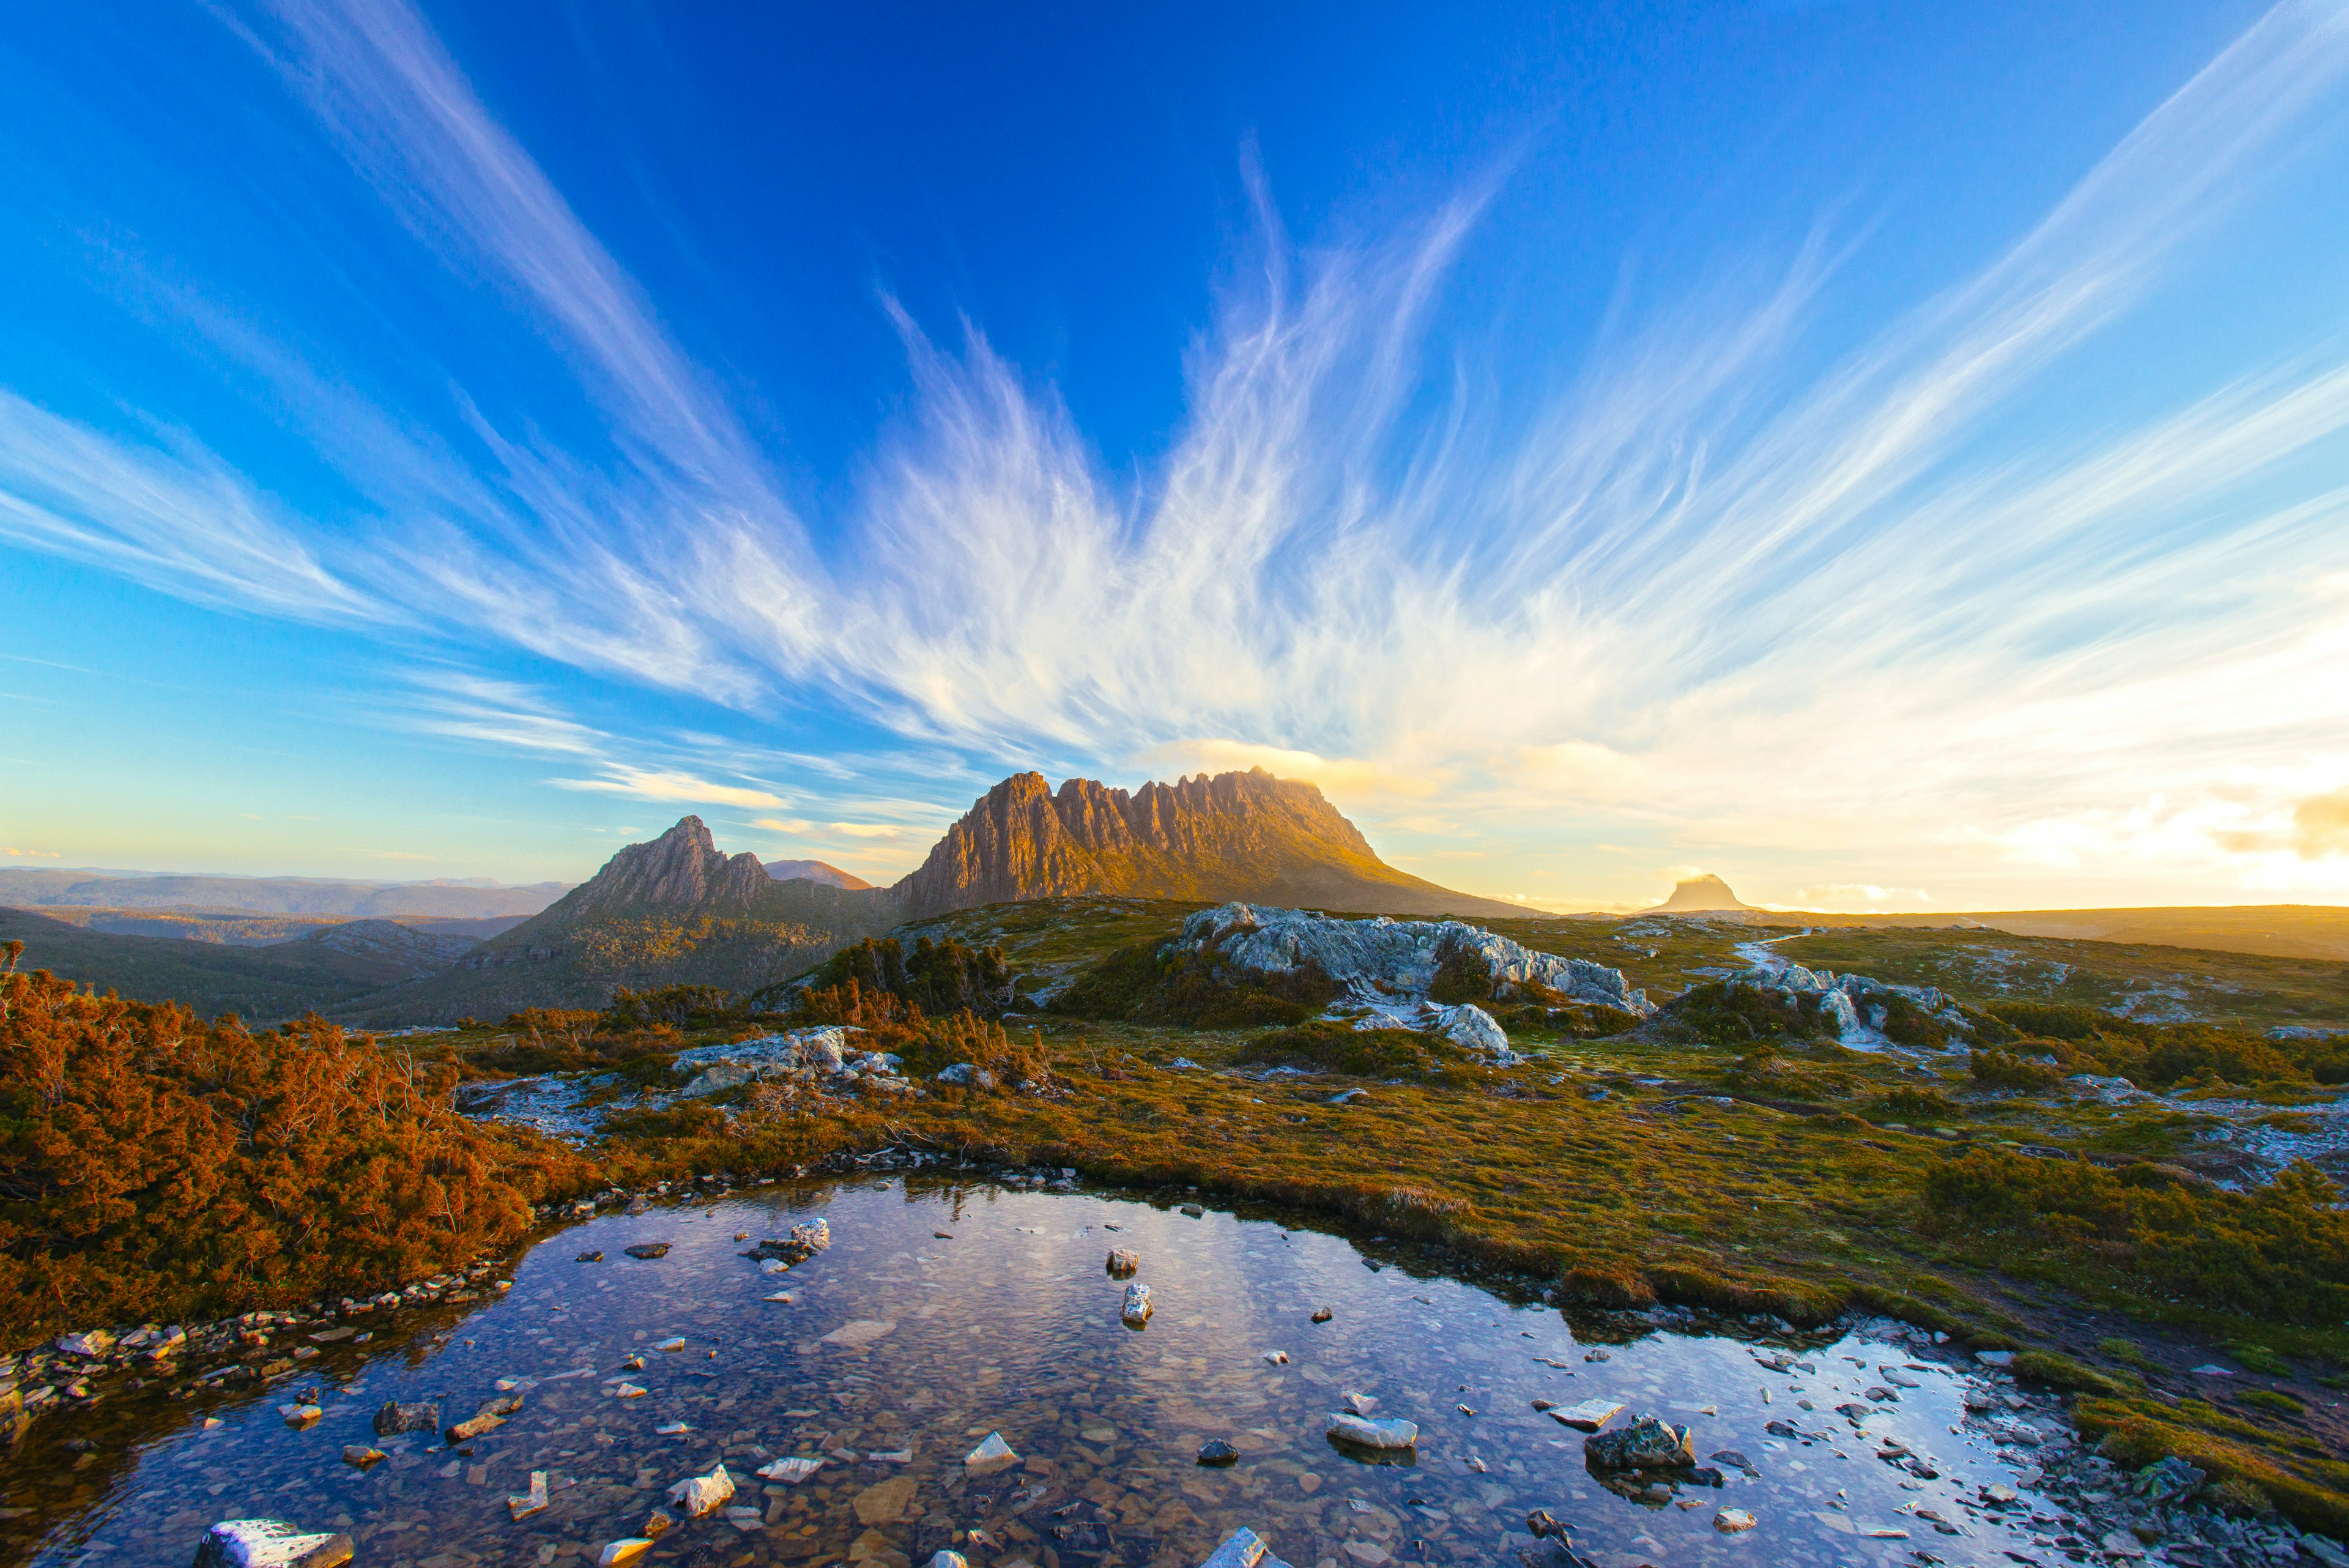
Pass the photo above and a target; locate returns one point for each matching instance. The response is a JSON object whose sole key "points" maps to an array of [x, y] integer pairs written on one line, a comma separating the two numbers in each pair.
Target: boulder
{"points": [[1136, 1311], [269, 1543], [699, 1495], [969, 1075], [1123, 1264], [1731, 1520], [1646, 1443], [1363, 1432]]}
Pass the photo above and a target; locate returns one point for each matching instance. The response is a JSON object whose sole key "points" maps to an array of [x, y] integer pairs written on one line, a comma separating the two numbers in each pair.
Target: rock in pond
{"points": [[591, 1257], [1216, 1452], [649, 1250], [1136, 1310], [698, 1495], [1243, 1548], [1323, 1315], [790, 1471], [991, 1455], [521, 1505], [948, 1560], [1362, 1432], [269, 1543], [1123, 1264], [394, 1417], [805, 1242], [619, 1554], [1646, 1443], [1731, 1520], [1588, 1416], [358, 1455]]}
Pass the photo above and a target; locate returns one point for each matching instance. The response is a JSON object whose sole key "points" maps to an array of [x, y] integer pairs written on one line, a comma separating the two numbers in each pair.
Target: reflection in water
{"points": [[900, 1350]]}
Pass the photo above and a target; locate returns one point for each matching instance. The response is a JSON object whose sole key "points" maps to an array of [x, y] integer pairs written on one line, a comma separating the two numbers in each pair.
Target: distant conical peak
{"points": [[1704, 891]]}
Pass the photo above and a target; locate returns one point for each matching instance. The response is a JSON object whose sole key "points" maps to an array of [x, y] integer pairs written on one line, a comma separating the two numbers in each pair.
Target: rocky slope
{"points": [[1246, 837], [814, 871]]}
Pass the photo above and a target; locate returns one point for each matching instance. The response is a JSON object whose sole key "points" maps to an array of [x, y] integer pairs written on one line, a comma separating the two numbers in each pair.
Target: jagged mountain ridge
{"points": [[1248, 837], [822, 871], [678, 908], [1696, 894]]}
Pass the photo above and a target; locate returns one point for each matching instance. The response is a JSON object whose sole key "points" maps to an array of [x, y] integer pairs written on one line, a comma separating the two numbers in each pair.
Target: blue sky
{"points": [[1891, 455]]}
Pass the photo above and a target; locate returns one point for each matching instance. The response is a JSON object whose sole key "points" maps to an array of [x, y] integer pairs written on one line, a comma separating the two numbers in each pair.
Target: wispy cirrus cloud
{"points": [[1693, 583]]}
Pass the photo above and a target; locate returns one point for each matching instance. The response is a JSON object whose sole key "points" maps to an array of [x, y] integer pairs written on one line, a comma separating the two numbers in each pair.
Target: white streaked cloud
{"points": [[1692, 585]]}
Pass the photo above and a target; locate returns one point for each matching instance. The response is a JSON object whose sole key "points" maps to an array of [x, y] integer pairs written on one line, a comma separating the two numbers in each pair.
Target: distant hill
{"points": [[470, 899], [1248, 837], [676, 910], [814, 871], [1696, 895], [240, 928], [2279, 930], [262, 984]]}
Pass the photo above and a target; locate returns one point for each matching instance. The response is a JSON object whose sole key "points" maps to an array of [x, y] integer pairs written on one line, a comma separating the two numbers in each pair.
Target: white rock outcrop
{"points": [[1385, 958]]}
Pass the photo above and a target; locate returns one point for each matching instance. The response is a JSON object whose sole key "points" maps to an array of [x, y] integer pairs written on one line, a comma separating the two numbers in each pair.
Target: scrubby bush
{"points": [[1767, 1070], [2005, 1069], [1720, 1013], [2278, 1251], [1334, 1047], [2163, 1055], [1463, 977], [676, 1006], [938, 977], [1195, 991], [155, 1166], [1919, 1105]]}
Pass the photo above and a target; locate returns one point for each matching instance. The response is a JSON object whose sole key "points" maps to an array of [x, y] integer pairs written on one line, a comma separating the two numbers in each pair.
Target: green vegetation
{"points": [[939, 977], [1197, 991]]}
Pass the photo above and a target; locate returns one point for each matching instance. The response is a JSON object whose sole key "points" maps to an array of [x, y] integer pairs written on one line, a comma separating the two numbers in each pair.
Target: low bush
{"points": [[2162, 1055], [1919, 1105], [2060, 1371], [673, 1006], [936, 977], [1464, 976], [2005, 1069], [153, 1166]]}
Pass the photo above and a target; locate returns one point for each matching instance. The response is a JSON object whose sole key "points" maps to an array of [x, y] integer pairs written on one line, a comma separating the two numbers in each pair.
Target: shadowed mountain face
{"points": [[1697, 893], [1248, 837]]}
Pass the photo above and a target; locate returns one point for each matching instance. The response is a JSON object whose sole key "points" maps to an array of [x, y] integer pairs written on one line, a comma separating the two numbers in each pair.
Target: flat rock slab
{"points": [[1586, 1415], [857, 1333], [885, 1502]]}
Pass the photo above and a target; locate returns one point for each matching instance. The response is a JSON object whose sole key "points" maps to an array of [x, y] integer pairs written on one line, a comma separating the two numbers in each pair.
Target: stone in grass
{"points": [[790, 1471], [1361, 1432], [269, 1543], [1136, 1311], [992, 1455], [1123, 1264], [698, 1495], [1588, 1415], [1731, 1521], [1215, 1453], [1646, 1443], [1243, 1548], [521, 1505], [649, 1250], [394, 1417]]}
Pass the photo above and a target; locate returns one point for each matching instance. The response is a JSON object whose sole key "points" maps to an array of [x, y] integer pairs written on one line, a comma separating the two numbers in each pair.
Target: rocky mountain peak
{"points": [[1704, 892], [683, 868]]}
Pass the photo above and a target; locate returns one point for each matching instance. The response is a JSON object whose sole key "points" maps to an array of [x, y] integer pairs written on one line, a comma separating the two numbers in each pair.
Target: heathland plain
{"points": [[2118, 1158]]}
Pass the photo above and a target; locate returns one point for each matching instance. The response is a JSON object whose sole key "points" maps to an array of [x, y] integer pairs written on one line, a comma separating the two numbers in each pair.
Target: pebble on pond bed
{"points": [[790, 1471]]}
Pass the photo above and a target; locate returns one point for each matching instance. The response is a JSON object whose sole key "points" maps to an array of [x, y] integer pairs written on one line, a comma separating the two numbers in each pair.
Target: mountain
{"points": [[814, 871], [1699, 894], [324, 969], [1248, 837], [676, 910], [272, 895]]}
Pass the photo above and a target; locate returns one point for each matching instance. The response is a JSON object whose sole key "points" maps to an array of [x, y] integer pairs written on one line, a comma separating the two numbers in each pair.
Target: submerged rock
{"points": [[805, 1242], [619, 1553], [648, 1250], [269, 1543], [790, 1471], [1646, 1443], [1215, 1453], [521, 1505], [394, 1417]]}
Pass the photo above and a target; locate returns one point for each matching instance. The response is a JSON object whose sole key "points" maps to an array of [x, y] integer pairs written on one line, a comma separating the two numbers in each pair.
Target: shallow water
{"points": [[902, 1343]]}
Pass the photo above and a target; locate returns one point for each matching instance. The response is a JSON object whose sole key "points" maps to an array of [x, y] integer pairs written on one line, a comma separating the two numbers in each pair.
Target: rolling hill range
{"points": [[262, 984], [470, 899]]}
